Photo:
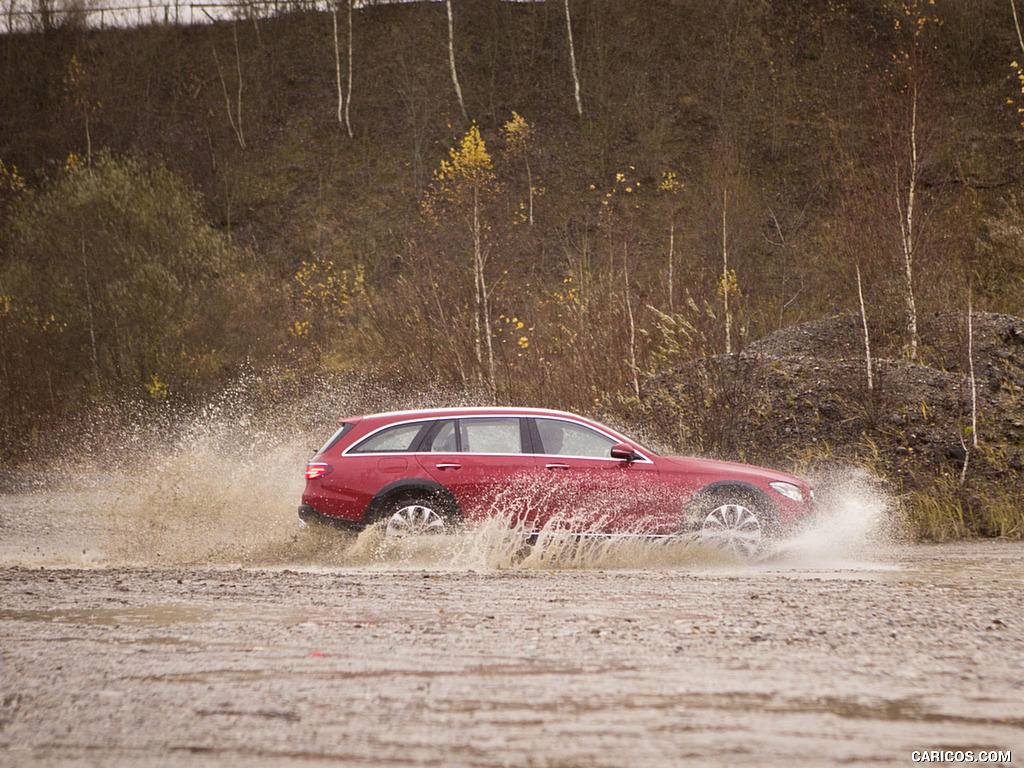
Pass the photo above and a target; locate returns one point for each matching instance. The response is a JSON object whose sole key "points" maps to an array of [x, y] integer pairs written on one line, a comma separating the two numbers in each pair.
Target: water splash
{"points": [[219, 484], [500, 543], [853, 528]]}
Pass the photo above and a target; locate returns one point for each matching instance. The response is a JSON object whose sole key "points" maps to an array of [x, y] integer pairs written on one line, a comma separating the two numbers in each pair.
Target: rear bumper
{"points": [[310, 516]]}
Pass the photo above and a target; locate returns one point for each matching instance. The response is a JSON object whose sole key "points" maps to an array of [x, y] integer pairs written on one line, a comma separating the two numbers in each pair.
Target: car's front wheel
{"points": [[736, 523], [416, 517]]}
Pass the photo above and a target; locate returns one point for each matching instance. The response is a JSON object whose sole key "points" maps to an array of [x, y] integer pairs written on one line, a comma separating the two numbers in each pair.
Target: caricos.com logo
{"points": [[960, 756]]}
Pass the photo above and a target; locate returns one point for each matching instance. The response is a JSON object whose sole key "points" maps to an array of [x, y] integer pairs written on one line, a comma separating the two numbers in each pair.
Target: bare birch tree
{"points": [[913, 18], [451, 58], [92, 319], [1016, 26], [725, 271], [970, 364], [634, 369], [236, 125], [76, 92], [572, 59], [670, 186], [343, 102], [974, 388], [867, 337], [337, 65], [348, 98], [907, 222], [459, 190]]}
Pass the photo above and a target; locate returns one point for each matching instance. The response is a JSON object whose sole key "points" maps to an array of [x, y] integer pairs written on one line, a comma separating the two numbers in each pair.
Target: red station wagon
{"points": [[420, 472]]}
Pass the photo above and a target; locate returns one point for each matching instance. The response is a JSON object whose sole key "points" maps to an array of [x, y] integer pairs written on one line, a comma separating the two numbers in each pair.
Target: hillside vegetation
{"points": [[180, 203]]}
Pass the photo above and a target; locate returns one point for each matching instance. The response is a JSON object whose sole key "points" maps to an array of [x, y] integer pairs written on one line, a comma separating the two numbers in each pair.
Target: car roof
{"points": [[452, 412], [372, 421]]}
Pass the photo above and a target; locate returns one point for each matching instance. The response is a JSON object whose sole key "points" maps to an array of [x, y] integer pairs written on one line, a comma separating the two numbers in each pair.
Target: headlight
{"points": [[788, 490]]}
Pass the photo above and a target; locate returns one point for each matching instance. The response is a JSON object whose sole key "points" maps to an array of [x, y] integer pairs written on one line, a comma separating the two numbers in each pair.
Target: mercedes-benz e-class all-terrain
{"points": [[433, 471]]}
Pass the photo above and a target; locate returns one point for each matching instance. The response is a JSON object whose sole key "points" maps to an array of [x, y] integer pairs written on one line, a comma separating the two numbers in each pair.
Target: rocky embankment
{"points": [[802, 395]]}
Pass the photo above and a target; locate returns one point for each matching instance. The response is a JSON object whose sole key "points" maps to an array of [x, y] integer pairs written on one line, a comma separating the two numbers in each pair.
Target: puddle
{"points": [[157, 616]]}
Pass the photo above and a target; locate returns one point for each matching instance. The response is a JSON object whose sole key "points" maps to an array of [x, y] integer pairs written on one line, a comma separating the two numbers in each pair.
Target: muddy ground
{"points": [[166, 639]]}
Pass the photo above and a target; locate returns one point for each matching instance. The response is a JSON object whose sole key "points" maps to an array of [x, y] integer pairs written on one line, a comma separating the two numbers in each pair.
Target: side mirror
{"points": [[624, 452]]}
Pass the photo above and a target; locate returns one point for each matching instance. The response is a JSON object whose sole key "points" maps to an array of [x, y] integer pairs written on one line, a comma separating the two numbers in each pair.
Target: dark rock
{"points": [[1013, 334], [956, 454]]}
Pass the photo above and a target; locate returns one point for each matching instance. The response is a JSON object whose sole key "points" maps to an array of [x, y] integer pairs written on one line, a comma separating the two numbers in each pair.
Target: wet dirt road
{"points": [[195, 625]]}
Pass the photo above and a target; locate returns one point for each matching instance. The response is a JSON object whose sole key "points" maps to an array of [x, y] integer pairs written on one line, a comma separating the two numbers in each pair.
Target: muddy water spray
{"points": [[219, 485]]}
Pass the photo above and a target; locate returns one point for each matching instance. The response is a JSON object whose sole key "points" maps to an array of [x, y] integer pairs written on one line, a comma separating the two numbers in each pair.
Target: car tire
{"points": [[417, 516], [735, 522]]}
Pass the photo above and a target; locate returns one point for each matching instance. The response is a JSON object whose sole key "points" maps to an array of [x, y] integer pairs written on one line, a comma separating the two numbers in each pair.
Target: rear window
{"points": [[396, 439], [336, 437]]}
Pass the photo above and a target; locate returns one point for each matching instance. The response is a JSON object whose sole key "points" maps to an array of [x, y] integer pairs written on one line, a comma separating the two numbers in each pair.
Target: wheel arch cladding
{"points": [[412, 488], [733, 491]]}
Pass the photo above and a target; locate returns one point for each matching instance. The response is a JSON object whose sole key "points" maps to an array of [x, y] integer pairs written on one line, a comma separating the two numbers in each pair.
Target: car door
{"points": [[482, 461], [589, 490]]}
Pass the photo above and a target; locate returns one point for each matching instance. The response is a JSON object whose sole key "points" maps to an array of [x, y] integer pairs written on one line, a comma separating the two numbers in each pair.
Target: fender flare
{"points": [[734, 488], [410, 487]]}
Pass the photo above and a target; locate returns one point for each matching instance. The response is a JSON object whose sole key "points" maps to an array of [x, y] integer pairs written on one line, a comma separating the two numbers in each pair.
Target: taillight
{"points": [[316, 471]]}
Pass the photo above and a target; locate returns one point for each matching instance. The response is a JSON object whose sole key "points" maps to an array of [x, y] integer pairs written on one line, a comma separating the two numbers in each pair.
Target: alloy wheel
{"points": [[732, 528], [414, 520]]}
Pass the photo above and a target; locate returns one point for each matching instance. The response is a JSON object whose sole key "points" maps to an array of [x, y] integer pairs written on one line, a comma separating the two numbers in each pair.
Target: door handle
{"points": [[448, 466], [556, 466]]}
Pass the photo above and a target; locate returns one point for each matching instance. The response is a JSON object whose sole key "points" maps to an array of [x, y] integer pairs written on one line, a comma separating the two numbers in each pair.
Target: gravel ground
{"points": [[142, 635], [715, 664]]}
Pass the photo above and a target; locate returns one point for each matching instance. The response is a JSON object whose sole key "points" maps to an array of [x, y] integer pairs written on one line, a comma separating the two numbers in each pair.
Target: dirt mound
{"points": [[998, 344], [801, 396]]}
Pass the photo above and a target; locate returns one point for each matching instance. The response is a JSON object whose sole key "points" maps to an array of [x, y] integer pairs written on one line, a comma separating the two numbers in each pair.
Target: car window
{"points": [[497, 435], [336, 437], [390, 440], [444, 440], [564, 438]]}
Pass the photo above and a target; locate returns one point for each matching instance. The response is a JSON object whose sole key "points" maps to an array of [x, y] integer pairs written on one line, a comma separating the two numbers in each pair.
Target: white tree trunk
{"points": [[725, 273], [906, 220], [348, 98], [451, 58], [1016, 25], [238, 71], [974, 389], [632, 324], [671, 259], [867, 337], [970, 362], [572, 59], [337, 65], [92, 320], [529, 184], [483, 319], [235, 126]]}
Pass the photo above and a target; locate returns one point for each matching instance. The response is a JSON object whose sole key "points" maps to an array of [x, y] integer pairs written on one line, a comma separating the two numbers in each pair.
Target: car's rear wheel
{"points": [[733, 523], [417, 516]]}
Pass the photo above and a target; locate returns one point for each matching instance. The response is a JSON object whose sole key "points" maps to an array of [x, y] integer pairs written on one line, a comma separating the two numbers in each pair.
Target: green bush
{"points": [[114, 285]]}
